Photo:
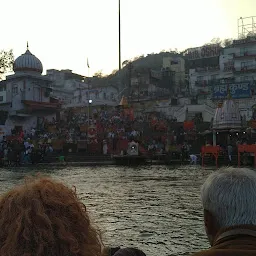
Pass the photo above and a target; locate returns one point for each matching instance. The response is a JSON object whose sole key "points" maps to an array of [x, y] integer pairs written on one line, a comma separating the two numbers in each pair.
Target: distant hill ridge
{"points": [[140, 64]]}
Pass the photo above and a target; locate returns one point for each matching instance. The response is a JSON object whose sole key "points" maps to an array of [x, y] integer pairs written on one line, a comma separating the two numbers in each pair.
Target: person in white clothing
{"points": [[193, 159], [105, 148]]}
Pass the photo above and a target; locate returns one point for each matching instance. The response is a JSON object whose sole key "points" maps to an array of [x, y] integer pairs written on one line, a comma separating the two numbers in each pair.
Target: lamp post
{"points": [[119, 32], [138, 77], [89, 103], [88, 113]]}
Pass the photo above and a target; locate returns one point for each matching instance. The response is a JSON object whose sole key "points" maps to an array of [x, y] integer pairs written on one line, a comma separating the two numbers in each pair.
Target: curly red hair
{"points": [[45, 217]]}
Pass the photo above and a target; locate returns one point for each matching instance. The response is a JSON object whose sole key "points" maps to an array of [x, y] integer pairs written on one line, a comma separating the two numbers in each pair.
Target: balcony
{"points": [[246, 69], [228, 68], [207, 69], [243, 55], [36, 105], [245, 41]]}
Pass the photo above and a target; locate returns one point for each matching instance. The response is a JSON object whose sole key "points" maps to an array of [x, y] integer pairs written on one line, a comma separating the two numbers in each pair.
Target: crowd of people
{"points": [[106, 129], [21, 150], [45, 217]]}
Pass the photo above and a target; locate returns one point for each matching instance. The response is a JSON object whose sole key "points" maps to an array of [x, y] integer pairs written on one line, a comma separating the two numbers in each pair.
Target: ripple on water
{"points": [[154, 208]]}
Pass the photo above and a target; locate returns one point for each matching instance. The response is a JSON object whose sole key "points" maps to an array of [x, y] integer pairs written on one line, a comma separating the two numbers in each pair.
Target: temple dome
{"points": [[227, 116], [28, 62]]}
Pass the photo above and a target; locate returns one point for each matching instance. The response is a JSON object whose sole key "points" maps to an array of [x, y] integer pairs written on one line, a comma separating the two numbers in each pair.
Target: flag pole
{"points": [[88, 66]]}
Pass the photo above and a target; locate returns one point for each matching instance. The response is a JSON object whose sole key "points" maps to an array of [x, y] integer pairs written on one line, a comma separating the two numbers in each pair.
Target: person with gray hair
{"points": [[229, 202]]}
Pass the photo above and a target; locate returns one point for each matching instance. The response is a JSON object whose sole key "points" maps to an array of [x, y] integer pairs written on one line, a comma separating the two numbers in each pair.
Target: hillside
{"points": [[140, 64]]}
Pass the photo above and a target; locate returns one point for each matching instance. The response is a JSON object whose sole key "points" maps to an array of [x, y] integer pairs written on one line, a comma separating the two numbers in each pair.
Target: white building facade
{"points": [[25, 95], [235, 75]]}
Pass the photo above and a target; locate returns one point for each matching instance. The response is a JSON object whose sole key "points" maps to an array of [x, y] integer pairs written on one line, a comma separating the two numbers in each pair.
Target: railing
{"points": [[245, 54], [229, 68], [212, 82], [246, 68], [207, 69]]}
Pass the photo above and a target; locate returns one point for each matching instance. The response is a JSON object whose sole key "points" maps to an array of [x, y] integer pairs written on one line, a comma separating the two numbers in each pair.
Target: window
{"points": [[213, 77], [200, 78], [243, 50], [1, 98], [15, 90], [249, 63], [246, 64]]}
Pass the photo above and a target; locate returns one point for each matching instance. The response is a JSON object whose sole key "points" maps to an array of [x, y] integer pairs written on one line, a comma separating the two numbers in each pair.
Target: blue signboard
{"points": [[237, 91]]}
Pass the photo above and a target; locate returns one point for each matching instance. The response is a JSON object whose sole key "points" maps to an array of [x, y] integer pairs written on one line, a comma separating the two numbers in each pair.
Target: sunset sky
{"points": [[62, 34]]}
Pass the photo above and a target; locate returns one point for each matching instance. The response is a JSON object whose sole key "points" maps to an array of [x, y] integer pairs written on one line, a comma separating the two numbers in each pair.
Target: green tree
{"points": [[227, 42], [114, 72], [125, 63], [6, 62], [98, 74]]}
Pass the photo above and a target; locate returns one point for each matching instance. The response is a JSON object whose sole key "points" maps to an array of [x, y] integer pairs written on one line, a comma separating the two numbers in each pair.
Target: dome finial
{"points": [[27, 46]]}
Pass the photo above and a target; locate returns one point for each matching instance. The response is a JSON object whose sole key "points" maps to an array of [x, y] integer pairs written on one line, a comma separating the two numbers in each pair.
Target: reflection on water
{"points": [[154, 208]]}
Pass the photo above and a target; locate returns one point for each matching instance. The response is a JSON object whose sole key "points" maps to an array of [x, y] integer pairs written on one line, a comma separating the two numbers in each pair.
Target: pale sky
{"points": [[63, 33]]}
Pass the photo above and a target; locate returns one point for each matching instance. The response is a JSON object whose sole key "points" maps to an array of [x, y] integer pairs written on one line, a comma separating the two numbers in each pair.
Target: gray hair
{"points": [[230, 195]]}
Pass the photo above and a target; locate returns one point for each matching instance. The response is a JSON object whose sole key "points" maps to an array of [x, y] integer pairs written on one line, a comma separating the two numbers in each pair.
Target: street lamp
{"points": [[119, 32], [89, 103], [87, 137]]}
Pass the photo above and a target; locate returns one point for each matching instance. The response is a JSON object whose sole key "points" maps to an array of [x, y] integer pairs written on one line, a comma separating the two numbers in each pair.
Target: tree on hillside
{"points": [[125, 63], [215, 41], [227, 42], [98, 74], [6, 62], [114, 72]]}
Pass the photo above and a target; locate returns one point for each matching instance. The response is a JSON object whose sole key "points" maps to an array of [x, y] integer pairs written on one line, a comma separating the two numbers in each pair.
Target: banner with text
{"points": [[237, 91]]}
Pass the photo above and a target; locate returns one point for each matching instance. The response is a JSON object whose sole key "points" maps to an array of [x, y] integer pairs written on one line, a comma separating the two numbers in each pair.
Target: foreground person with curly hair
{"points": [[45, 218]]}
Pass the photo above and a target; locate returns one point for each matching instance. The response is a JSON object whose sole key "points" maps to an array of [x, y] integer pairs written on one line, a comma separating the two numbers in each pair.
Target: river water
{"points": [[155, 208]]}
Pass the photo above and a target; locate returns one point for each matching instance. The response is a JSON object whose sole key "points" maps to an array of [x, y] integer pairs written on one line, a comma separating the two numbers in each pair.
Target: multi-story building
{"points": [[73, 89], [204, 68], [67, 86], [240, 67], [25, 95], [177, 65], [151, 85], [234, 75]]}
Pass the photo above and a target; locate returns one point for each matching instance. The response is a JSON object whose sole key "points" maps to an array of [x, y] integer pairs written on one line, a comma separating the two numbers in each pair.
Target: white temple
{"points": [[227, 116]]}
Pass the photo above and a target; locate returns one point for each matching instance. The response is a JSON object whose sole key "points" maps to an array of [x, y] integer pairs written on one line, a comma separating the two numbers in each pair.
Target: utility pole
{"points": [[138, 77], [119, 20], [130, 79]]}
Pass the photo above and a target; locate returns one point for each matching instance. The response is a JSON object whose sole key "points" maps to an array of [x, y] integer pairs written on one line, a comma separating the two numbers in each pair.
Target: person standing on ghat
{"points": [[228, 198]]}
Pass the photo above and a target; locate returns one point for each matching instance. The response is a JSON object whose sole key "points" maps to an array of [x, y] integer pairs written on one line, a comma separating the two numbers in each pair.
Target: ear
{"points": [[211, 225], [207, 219]]}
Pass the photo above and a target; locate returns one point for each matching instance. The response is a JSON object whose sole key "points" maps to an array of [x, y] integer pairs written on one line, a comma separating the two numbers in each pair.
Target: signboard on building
{"points": [[206, 51], [245, 40], [237, 91]]}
